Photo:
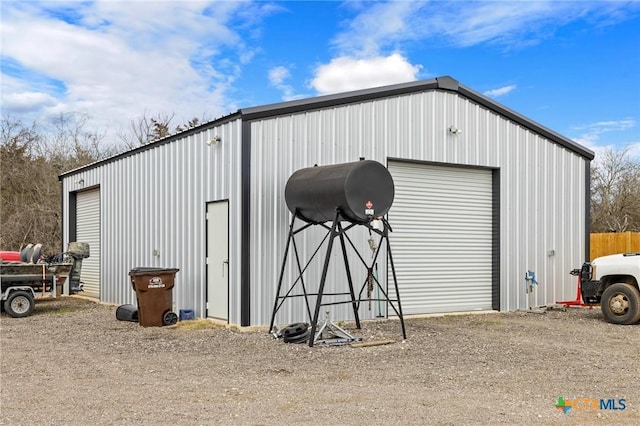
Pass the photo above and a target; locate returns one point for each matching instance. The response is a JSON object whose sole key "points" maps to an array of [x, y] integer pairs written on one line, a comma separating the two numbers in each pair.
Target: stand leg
{"points": [[323, 278], [284, 263], [395, 282], [349, 280], [301, 275]]}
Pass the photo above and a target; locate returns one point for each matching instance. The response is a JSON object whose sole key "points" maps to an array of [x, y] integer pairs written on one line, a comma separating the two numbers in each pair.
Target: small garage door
{"points": [[88, 231], [442, 237]]}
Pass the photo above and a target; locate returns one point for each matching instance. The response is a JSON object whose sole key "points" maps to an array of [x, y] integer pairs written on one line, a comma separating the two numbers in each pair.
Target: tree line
{"points": [[615, 192], [32, 156]]}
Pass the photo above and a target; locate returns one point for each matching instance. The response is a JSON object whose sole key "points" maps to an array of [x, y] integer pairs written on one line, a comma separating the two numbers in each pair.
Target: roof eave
{"points": [[154, 144], [445, 83], [440, 83], [319, 102], [525, 122]]}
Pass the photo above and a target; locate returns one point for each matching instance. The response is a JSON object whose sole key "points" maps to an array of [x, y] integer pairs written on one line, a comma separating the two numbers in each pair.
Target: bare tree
{"points": [[17, 151], [194, 122], [31, 160], [146, 129], [615, 192], [67, 145]]}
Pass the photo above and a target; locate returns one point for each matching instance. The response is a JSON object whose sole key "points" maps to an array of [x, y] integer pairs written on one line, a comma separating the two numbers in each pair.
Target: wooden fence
{"points": [[612, 243]]}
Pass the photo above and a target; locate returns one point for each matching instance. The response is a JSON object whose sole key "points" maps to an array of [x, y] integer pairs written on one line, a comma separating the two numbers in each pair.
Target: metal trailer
{"points": [[22, 283]]}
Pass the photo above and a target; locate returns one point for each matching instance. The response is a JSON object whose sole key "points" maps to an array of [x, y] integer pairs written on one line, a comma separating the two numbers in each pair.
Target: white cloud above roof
{"points": [[345, 73], [119, 61], [500, 91]]}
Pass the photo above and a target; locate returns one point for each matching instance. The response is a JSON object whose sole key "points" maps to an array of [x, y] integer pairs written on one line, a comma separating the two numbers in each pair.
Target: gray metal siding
{"points": [[273, 162], [542, 185], [155, 199]]}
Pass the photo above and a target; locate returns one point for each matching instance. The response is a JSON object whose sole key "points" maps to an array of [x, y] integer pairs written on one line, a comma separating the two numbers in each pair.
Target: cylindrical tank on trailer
{"points": [[361, 190]]}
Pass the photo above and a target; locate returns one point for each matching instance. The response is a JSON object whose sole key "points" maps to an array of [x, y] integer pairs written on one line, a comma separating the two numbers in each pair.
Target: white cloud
{"points": [[278, 75], [346, 73], [600, 127], [634, 150], [21, 102], [510, 24], [381, 24], [116, 60], [20, 98], [277, 78], [362, 60], [494, 93], [591, 134]]}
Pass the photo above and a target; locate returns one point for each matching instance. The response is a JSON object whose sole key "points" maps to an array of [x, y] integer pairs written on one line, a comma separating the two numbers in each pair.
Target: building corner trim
{"points": [[587, 210], [245, 226], [495, 264]]}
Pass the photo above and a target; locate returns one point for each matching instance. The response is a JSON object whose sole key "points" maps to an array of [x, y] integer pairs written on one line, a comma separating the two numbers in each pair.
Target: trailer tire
{"points": [[19, 304], [620, 304]]}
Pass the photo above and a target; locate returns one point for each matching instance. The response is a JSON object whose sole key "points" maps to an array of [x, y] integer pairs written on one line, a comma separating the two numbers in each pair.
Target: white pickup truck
{"points": [[612, 281]]}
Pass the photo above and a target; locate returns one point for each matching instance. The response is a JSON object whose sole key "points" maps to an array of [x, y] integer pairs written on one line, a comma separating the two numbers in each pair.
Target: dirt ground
{"points": [[73, 363]]}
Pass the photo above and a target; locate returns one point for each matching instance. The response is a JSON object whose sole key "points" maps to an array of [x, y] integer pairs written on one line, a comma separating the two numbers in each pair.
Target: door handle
{"points": [[224, 262]]}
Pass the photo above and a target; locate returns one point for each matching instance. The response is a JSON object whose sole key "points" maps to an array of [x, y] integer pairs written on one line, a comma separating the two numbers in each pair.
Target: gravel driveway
{"points": [[72, 362]]}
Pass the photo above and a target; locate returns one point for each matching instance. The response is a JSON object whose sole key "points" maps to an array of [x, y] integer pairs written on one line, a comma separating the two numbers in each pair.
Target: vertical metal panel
{"points": [[542, 185], [153, 213]]}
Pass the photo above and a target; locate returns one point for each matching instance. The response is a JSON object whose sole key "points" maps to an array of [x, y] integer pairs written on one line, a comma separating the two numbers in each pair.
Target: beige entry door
{"points": [[218, 260]]}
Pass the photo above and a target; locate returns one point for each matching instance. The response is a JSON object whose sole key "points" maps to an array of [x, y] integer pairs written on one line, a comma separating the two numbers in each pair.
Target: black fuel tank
{"points": [[361, 190]]}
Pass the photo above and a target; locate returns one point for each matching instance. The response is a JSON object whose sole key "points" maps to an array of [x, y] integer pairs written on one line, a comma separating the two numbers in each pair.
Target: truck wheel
{"points": [[620, 304], [19, 304]]}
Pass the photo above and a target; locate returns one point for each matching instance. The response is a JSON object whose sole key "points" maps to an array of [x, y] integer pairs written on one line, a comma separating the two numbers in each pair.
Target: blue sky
{"points": [[572, 66]]}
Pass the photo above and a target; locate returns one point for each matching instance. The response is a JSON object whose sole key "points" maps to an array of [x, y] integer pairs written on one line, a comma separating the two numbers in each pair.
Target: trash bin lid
{"points": [[152, 270]]}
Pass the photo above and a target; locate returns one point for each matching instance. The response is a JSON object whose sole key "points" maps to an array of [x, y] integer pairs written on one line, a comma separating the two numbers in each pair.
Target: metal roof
{"points": [[151, 145], [291, 107], [440, 83]]}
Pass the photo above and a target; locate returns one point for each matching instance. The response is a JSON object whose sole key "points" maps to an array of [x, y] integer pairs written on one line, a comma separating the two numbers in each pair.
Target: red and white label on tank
{"points": [[369, 208]]}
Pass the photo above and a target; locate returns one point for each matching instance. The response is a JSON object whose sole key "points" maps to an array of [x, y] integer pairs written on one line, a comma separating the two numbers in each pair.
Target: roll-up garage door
{"points": [[88, 231], [442, 237]]}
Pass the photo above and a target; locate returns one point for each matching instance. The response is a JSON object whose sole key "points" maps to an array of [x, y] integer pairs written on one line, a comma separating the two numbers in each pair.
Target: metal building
{"points": [[483, 195]]}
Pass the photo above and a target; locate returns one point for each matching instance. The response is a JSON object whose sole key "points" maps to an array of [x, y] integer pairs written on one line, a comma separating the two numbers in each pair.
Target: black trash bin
{"points": [[154, 292], [127, 313]]}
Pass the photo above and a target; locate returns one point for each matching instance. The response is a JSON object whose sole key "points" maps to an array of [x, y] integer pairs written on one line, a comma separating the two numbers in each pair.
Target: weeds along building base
{"points": [[482, 195]]}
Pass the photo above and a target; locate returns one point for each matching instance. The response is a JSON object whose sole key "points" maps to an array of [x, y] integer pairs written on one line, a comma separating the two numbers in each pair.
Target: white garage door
{"points": [[442, 237], [88, 231]]}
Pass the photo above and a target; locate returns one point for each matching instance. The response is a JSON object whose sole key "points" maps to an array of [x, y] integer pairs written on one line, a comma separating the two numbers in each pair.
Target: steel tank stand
{"points": [[335, 231]]}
